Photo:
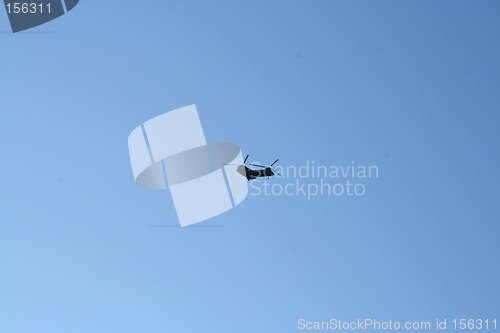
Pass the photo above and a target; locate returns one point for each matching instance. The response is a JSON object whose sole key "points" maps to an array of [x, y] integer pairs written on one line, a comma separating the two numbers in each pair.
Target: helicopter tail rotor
{"points": [[273, 169]]}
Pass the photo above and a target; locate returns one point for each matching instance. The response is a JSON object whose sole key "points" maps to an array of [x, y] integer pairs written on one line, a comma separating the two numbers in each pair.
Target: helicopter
{"points": [[253, 174]]}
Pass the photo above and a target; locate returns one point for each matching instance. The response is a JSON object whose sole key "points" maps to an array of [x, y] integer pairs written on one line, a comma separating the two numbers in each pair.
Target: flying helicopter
{"points": [[253, 174]]}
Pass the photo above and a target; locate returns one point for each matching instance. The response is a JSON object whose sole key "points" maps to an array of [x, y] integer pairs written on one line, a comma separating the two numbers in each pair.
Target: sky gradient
{"points": [[411, 87]]}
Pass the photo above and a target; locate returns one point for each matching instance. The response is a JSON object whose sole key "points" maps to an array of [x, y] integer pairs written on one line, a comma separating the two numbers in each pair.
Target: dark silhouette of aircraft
{"points": [[253, 174]]}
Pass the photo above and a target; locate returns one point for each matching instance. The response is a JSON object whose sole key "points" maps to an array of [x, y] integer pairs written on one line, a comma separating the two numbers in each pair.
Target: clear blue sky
{"points": [[410, 86]]}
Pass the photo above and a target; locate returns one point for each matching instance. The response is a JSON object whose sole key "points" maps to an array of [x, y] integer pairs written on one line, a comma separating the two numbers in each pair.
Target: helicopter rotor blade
{"points": [[257, 165], [275, 162], [274, 171], [246, 158]]}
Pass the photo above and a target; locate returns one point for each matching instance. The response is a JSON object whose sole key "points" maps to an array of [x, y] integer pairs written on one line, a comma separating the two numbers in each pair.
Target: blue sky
{"points": [[411, 87]]}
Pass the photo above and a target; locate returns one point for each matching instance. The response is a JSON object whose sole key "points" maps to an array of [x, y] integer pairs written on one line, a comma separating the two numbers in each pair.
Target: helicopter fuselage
{"points": [[253, 174]]}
